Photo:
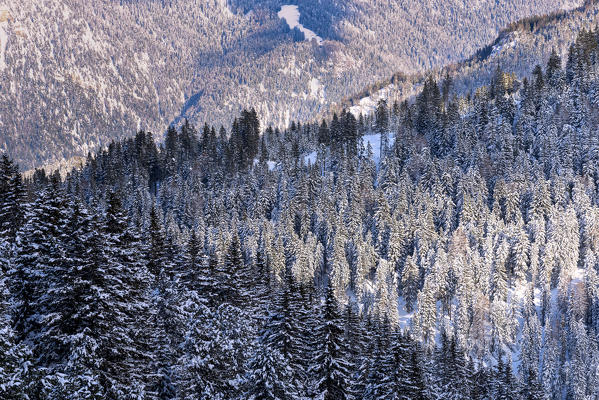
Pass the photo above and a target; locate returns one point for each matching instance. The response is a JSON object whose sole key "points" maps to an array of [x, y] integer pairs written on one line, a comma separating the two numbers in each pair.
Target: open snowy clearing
{"points": [[374, 140], [291, 14], [317, 90], [368, 104]]}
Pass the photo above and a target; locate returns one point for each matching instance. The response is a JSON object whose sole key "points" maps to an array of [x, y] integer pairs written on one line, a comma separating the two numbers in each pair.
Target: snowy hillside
{"points": [[440, 248], [528, 42], [75, 79]]}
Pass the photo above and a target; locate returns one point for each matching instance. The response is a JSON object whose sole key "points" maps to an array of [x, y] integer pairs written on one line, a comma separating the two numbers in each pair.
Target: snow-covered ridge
{"points": [[291, 15], [508, 42]]}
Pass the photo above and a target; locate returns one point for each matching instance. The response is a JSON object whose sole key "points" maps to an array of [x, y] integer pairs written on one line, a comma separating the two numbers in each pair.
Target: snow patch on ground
{"points": [[375, 143], [501, 47], [368, 104], [290, 13], [271, 164], [405, 318], [578, 276], [310, 158], [317, 89]]}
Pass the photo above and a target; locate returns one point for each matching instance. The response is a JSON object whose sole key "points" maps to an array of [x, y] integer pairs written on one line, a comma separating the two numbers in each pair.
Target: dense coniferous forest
{"points": [[444, 248], [77, 74]]}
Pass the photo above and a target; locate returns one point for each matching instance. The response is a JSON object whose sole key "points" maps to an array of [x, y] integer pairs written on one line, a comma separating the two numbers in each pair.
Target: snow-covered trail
{"points": [[291, 14]]}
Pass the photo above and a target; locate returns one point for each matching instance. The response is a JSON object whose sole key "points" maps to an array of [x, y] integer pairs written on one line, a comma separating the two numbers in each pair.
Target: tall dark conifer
{"points": [[12, 198], [40, 252], [122, 324], [330, 370]]}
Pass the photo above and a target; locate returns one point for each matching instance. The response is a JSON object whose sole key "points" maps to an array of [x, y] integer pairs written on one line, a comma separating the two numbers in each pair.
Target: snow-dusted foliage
{"points": [[76, 74], [456, 260]]}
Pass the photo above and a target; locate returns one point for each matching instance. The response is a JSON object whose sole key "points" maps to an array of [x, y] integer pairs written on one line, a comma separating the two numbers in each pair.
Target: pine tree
{"points": [[261, 290], [273, 368], [217, 346], [480, 384], [195, 276], [166, 316], [413, 386], [269, 376], [324, 134], [196, 369], [40, 253], [234, 278], [17, 374], [123, 310], [157, 251], [12, 195], [378, 385], [70, 323], [167, 336], [382, 117], [329, 370], [409, 282]]}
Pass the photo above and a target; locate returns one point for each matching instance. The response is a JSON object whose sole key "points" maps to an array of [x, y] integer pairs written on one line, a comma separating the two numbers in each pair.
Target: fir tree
{"points": [[17, 374], [329, 371]]}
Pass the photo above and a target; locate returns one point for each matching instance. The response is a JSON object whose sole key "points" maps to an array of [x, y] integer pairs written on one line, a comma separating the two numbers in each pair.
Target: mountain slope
{"points": [[527, 42], [77, 74]]}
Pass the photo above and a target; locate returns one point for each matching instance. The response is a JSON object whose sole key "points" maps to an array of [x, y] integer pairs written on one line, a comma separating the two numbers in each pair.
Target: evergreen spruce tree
{"points": [[231, 275], [12, 195], [354, 336], [414, 384], [216, 351], [195, 276], [167, 336], [401, 377], [269, 376], [166, 320], [261, 290], [273, 370], [122, 320], [17, 373], [39, 258], [76, 288], [329, 370], [480, 384], [382, 116], [157, 251]]}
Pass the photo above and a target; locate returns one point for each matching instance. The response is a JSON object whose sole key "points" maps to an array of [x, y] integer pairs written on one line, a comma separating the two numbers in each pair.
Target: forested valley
{"points": [[442, 248]]}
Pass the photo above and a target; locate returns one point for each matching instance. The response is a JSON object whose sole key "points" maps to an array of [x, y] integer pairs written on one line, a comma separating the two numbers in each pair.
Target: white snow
{"points": [[497, 49], [310, 158], [368, 104], [317, 89], [271, 164], [578, 276], [290, 13], [405, 318], [375, 142]]}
